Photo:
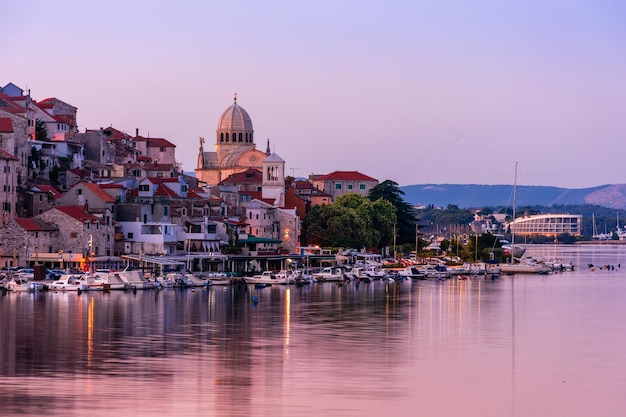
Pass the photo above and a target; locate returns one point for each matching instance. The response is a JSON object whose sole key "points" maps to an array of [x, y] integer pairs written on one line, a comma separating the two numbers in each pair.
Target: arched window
{"points": [[240, 137], [226, 136], [246, 137], [222, 137]]}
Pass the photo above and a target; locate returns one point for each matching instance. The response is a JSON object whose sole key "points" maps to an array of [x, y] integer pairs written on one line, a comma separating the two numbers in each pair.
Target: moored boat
{"points": [[69, 282], [331, 274], [411, 272], [267, 277]]}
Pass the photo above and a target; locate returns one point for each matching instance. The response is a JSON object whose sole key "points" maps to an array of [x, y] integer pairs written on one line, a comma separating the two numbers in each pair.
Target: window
{"points": [[361, 186], [183, 211], [337, 186], [40, 197], [349, 186], [79, 191], [165, 210], [162, 149], [144, 187], [130, 235]]}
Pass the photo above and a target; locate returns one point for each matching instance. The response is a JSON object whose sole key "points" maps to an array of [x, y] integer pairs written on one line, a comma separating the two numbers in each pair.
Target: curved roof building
{"points": [[547, 224]]}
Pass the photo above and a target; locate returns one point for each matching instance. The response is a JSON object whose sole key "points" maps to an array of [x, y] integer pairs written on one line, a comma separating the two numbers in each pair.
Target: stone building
{"points": [[234, 149], [14, 154], [81, 232], [24, 239]]}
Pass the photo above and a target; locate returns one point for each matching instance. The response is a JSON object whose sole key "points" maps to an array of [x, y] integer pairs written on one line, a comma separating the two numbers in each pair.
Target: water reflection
{"points": [[522, 345]]}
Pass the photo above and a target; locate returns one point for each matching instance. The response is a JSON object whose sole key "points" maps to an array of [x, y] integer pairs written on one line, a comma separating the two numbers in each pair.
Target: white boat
{"points": [[218, 278], [331, 274], [411, 272], [525, 266], [268, 277], [69, 282], [21, 285], [435, 271], [185, 279], [112, 281], [513, 250], [135, 280], [94, 282]]}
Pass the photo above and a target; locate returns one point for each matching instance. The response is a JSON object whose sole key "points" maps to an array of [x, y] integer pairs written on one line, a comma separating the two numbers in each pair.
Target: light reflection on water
{"points": [[520, 346]]}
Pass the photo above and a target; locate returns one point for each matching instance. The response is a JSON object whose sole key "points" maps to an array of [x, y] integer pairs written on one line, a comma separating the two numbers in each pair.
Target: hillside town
{"points": [[103, 198]]}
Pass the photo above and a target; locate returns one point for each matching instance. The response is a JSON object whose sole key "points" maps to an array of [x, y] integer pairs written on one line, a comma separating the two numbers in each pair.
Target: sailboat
{"points": [[519, 265], [510, 248]]}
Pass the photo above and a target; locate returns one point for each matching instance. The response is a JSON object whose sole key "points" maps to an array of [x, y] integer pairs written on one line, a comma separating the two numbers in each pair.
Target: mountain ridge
{"points": [[480, 195]]}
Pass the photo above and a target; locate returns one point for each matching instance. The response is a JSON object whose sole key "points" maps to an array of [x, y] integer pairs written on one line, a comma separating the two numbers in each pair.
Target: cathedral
{"points": [[234, 149]]}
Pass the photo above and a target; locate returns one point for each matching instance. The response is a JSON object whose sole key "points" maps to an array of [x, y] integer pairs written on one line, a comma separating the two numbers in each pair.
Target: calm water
{"points": [[522, 345]]}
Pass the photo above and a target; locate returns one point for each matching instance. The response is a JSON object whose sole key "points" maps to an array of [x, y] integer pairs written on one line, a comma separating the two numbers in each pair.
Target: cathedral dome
{"points": [[235, 118]]}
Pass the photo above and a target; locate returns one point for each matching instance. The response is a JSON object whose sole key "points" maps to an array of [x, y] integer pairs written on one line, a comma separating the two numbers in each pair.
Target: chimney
{"points": [[136, 131]]}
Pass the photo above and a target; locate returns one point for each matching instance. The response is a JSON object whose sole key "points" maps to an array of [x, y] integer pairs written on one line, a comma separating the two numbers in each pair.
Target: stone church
{"points": [[234, 149]]}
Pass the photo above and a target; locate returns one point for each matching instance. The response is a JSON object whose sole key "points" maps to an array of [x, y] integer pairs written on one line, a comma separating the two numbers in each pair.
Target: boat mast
{"points": [[514, 205]]}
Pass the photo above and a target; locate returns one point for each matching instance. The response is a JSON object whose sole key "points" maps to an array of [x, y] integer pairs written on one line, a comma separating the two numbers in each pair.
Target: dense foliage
{"points": [[406, 218], [352, 221]]}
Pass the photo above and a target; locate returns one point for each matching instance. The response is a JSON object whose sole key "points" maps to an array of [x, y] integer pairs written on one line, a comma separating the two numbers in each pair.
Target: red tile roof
{"points": [[251, 175], [6, 125], [193, 194], [345, 176], [34, 225], [62, 118], [156, 142], [303, 185], [6, 155], [114, 133], [78, 213], [46, 103], [56, 194], [164, 191], [99, 192]]}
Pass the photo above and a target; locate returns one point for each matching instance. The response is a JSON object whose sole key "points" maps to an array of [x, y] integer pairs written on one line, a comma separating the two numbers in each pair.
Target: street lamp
{"points": [[416, 241], [394, 242]]}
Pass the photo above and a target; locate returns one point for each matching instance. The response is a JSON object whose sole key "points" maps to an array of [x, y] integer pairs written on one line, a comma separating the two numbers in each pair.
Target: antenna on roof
{"points": [[235, 98]]}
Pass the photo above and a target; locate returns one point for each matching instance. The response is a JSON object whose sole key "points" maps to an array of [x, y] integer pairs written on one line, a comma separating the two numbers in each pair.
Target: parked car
{"points": [[54, 274]]}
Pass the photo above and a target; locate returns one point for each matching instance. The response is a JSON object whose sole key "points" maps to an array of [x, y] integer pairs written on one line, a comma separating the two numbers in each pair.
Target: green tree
{"points": [[352, 221], [406, 217], [41, 130]]}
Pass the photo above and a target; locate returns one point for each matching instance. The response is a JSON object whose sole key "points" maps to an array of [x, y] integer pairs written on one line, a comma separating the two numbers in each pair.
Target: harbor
{"points": [[522, 344]]}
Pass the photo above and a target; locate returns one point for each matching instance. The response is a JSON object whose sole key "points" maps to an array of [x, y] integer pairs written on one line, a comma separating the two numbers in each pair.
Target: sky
{"points": [[441, 92]]}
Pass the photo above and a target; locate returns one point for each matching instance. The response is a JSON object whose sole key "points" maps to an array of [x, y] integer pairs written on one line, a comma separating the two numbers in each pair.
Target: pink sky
{"points": [[415, 92]]}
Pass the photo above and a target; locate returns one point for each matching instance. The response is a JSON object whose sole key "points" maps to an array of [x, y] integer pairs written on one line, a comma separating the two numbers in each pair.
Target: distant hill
{"points": [[474, 196]]}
